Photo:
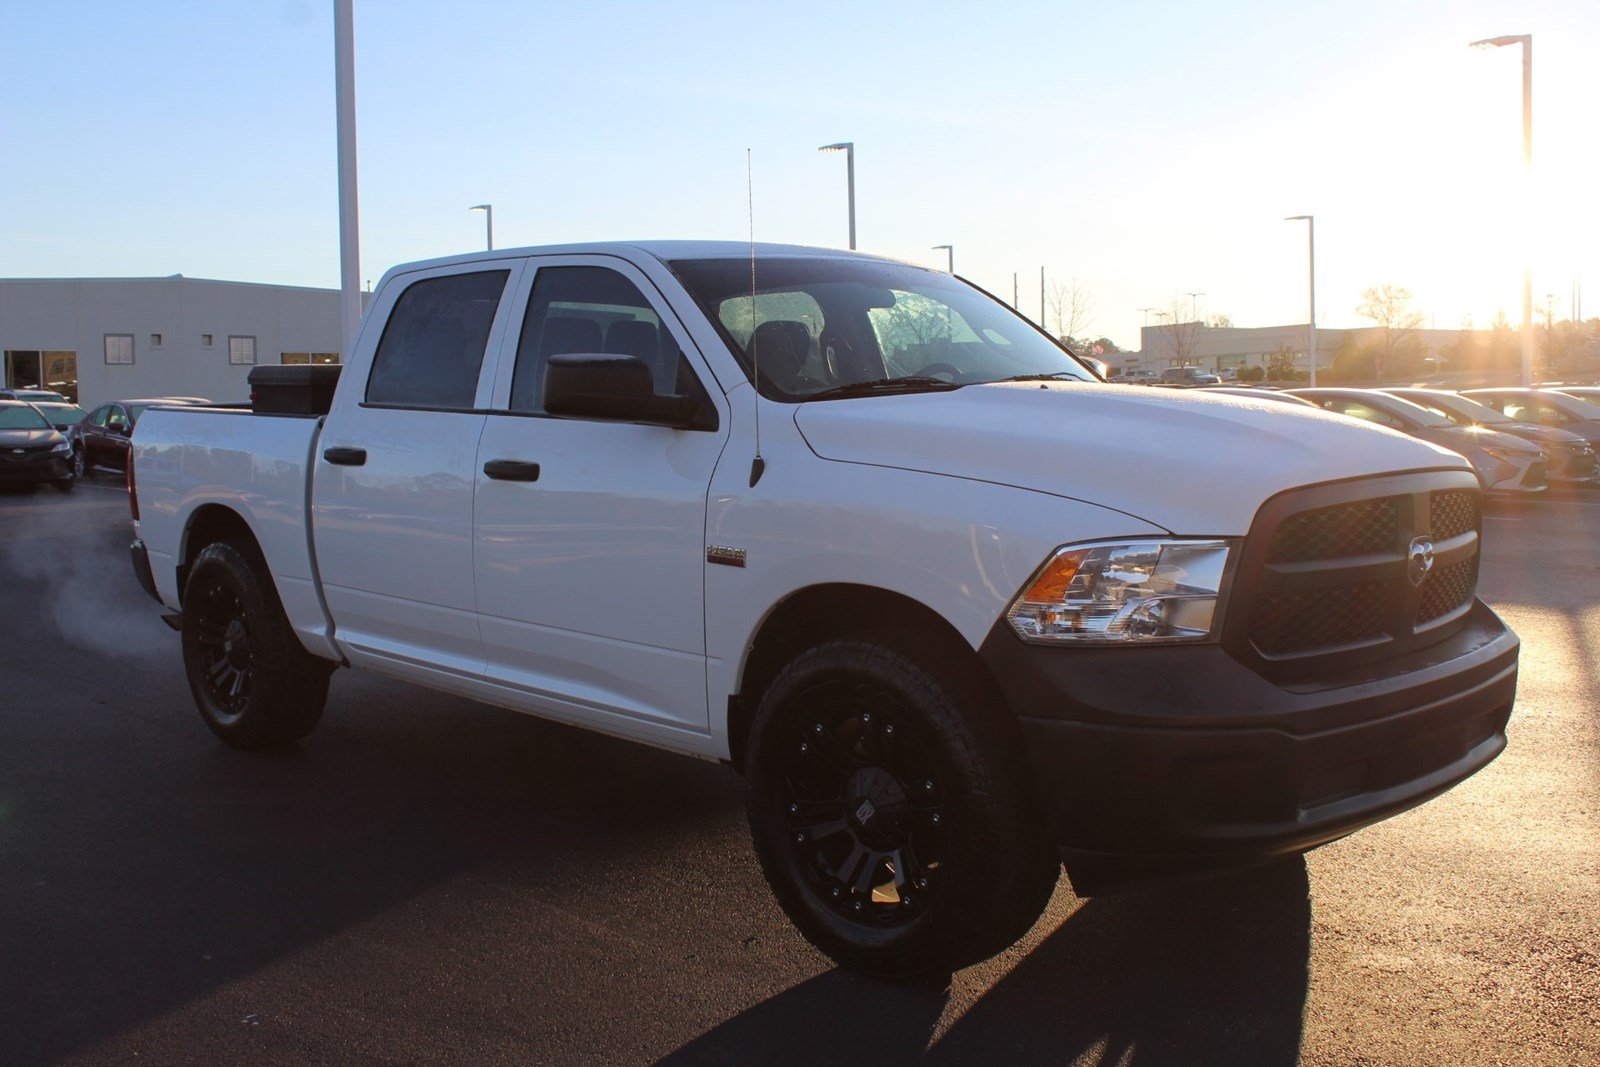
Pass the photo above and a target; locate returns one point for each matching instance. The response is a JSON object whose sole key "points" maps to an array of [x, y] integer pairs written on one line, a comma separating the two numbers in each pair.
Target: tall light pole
{"points": [[344, 91], [950, 256], [1311, 327], [488, 221], [849, 150], [1194, 305], [1144, 325], [1526, 41]]}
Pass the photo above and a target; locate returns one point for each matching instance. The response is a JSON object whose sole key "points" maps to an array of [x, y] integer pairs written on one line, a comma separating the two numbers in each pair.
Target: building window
{"points": [[155, 340], [302, 358], [205, 340], [241, 350], [119, 348]]}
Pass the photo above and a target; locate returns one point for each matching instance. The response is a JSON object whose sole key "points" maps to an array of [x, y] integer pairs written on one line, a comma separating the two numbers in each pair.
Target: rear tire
{"points": [[255, 685], [892, 811]]}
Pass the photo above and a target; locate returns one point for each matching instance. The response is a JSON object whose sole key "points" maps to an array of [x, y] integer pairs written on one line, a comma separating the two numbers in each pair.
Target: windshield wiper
{"points": [[1048, 376], [909, 384]]}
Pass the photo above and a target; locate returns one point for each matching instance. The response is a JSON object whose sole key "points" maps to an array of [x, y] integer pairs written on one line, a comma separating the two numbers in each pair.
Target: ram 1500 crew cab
{"points": [[957, 609]]}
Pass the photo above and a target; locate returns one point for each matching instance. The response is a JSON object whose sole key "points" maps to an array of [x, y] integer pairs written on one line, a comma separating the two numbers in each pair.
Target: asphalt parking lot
{"points": [[429, 880]]}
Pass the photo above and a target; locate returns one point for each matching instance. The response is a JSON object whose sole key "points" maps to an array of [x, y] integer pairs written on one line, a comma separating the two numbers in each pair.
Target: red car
{"points": [[101, 440]]}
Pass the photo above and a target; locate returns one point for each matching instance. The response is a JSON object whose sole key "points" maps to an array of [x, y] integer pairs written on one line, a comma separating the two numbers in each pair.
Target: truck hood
{"points": [[1190, 463]]}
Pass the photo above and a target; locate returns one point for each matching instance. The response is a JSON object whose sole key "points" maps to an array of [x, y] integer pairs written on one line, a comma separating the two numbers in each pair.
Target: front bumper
{"points": [[39, 467], [1176, 759]]}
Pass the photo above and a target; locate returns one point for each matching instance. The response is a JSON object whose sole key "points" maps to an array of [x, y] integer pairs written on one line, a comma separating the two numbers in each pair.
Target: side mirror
{"points": [[123, 428], [596, 386]]}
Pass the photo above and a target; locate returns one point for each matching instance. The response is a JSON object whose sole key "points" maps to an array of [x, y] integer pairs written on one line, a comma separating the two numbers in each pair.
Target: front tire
{"points": [[891, 809], [255, 685], [80, 466]]}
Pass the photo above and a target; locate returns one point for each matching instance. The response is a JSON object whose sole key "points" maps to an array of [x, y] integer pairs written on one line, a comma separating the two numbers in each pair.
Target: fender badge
{"points": [[728, 557]]}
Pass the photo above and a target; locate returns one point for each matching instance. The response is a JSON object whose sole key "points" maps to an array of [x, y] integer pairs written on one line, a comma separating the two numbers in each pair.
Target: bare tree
{"points": [[1180, 336], [1390, 307], [1072, 306]]}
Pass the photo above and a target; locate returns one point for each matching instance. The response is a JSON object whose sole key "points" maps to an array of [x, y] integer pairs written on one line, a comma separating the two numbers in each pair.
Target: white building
{"points": [[100, 339], [1217, 348]]}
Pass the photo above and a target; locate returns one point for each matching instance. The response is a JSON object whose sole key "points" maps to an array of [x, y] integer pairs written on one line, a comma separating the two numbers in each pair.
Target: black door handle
{"points": [[345, 457], [511, 470]]}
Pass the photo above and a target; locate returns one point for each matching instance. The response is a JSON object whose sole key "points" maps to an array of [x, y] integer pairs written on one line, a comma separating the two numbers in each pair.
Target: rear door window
{"points": [[433, 344]]}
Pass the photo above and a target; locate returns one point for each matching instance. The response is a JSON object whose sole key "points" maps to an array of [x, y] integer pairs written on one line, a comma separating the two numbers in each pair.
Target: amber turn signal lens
{"points": [[1053, 582]]}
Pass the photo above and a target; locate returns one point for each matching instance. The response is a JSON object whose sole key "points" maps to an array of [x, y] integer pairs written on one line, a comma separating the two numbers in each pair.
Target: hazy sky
{"points": [[1148, 150]]}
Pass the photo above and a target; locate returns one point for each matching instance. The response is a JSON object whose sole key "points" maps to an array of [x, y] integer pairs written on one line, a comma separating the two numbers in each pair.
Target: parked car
{"points": [[1504, 463], [48, 396], [1547, 407], [1261, 394], [62, 416], [31, 450], [1587, 393], [954, 618], [1571, 459], [1188, 376], [101, 439], [1137, 377]]}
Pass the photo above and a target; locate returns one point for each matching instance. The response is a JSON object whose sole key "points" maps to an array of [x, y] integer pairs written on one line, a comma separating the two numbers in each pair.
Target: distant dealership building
{"points": [[98, 339], [1217, 348]]}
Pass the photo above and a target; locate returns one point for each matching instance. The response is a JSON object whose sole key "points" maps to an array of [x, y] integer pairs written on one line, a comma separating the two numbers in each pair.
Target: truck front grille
{"points": [[1330, 533], [1325, 570], [1448, 589], [1452, 512]]}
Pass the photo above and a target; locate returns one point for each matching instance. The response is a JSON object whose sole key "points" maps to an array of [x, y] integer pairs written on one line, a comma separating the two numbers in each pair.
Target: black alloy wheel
{"points": [[891, 807], [226, 661], [864, 816], [80, 466], [255, 684]]}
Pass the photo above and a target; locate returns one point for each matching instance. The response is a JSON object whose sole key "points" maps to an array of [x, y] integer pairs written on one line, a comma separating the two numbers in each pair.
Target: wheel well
{"points": [[209, 524], [818, 613]]}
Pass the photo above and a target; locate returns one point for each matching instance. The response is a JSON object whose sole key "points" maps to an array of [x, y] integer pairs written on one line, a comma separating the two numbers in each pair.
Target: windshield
{"points": [[825, 324], [1406, 409], [1458, 409], [22, 417], [1572, 406], [61, 412]]}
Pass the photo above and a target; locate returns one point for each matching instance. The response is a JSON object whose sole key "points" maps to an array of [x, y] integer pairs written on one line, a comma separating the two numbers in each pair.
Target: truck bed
{"points": [[194, 463]]}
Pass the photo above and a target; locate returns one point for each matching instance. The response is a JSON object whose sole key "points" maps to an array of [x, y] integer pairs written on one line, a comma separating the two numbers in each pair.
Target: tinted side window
{"points": [[588, 309], [100, 413], [433, 344]]}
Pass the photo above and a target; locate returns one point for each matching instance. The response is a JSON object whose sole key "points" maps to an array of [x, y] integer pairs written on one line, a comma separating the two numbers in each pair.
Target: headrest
{"points": [[568, 334], [630, 337], [781, 346]]}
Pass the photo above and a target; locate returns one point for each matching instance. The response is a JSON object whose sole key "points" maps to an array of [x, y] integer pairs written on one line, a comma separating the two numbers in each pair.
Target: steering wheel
{"points": [[933, 369]]}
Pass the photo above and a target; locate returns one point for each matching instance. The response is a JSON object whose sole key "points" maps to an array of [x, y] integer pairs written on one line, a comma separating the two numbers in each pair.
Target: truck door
{"points": [[591, 533], [393, 477]]}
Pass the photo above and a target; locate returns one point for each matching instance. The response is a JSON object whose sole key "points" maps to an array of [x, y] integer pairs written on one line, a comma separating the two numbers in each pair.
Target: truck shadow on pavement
{"points": [[1210, 972]]}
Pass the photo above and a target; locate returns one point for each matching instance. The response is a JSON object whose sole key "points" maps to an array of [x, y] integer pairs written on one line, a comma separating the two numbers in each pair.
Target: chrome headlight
{"points": [[1126, 591], [62, 448]]}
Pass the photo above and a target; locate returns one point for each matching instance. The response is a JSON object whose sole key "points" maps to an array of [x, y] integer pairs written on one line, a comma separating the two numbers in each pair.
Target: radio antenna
{"points": [[757, 464]]}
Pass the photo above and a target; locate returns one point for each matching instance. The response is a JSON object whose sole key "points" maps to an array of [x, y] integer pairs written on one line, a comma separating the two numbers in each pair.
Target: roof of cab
{"points": [[662, 250]]}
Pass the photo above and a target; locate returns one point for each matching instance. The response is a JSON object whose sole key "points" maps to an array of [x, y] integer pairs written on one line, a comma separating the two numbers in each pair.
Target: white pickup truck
{"points": [[959, 611]]}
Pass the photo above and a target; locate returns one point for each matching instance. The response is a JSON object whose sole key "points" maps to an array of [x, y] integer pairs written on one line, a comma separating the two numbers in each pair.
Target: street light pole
{"points": [[1526, 41], [849, 150], [344, 91], [950, 257], [488, 221], [1311, 328]]}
